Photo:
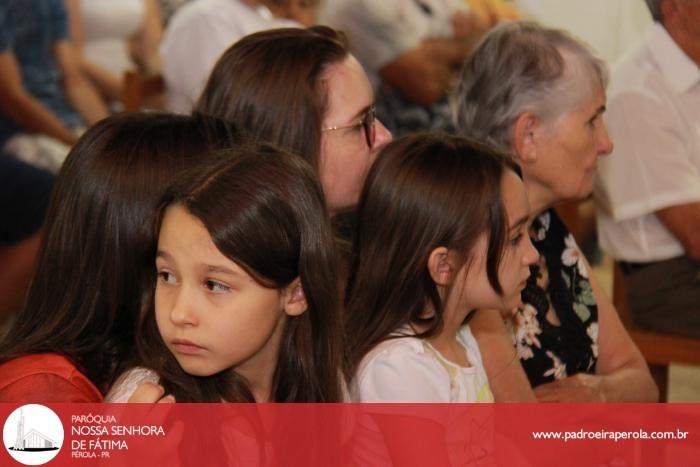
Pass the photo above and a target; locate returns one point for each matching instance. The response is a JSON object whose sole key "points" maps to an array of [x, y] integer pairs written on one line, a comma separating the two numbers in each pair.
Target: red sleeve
{"points": [[46, 387]]}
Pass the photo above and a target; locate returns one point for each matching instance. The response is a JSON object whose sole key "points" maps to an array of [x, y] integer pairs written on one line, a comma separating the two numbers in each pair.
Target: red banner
{"points": [[616, 435]]}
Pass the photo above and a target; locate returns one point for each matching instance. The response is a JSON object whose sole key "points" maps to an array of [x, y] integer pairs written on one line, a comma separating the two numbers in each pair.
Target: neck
{"points": [[446, 341], [689, 45], [259, 369], [452, 319]]}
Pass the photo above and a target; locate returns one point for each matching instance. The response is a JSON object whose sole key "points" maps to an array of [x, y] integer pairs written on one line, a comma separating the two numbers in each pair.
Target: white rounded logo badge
{"points": [[33, 434]]}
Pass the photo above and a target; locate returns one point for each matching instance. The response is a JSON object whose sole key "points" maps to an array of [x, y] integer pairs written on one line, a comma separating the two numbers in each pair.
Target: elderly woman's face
{"points": [[568, 149]]}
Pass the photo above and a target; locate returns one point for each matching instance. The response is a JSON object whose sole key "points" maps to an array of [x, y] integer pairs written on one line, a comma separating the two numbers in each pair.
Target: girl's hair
{"points": [[265, 211], [86, 295], [271, 84], [424, 191]]}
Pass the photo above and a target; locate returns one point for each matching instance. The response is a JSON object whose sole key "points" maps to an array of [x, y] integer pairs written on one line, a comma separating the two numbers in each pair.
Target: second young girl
{"points": [[442, 232], [245, 305]]}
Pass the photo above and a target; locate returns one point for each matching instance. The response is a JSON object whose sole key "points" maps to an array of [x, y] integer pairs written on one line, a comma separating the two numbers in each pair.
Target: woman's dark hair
{"points": [[264, 210], [271, 84], [423, 192], [86, 295]]}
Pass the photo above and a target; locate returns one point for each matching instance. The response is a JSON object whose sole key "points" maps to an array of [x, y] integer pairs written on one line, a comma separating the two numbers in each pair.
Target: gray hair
{"points": [[655, 9], [520, 67]]}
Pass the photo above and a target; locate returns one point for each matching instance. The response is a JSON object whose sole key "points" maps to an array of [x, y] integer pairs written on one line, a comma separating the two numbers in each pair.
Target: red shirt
{"points": [[45, 377]]}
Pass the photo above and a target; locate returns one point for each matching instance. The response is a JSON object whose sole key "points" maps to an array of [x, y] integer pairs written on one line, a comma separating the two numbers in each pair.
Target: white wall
{"points": [[609, 26]]}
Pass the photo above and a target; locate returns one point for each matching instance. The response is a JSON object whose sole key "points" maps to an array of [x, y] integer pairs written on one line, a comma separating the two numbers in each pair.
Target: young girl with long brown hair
{"points": [[244, 304]]}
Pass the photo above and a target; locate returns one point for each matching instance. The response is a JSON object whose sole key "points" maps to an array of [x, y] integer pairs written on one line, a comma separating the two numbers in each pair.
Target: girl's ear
{"points": [[524, 138], [440, 266], [294, 299]]}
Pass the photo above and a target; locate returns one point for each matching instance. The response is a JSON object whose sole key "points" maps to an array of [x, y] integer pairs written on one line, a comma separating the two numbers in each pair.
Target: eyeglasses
{"points": [[366, 122]]}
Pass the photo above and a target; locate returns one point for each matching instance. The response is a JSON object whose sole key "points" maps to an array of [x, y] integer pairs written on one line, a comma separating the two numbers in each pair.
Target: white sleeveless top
{"points": [[409, 369], [108, 25]]}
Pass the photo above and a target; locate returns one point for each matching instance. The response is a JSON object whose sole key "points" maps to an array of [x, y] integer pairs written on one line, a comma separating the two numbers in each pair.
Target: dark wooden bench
{"points": [[659, 350]]}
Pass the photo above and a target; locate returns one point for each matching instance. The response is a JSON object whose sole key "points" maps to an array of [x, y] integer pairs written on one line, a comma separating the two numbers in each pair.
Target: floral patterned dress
{"points": [[556, 331]]}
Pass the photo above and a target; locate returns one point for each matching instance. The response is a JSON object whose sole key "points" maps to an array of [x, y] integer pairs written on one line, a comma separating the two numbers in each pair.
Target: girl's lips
{"points": [[186, 347]]}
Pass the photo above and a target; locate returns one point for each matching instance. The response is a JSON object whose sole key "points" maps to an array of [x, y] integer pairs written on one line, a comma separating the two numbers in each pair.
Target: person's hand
{"points": [[580, 387], [149, 393]]}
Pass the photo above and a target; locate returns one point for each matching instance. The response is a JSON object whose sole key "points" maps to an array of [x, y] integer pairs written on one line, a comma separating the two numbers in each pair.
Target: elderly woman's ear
{"points": [[524, 138]]}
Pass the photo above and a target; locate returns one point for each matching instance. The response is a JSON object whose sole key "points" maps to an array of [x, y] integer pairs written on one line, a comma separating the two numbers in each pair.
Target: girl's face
{"points": [[518, 255], [211, 314], [345, 153]]}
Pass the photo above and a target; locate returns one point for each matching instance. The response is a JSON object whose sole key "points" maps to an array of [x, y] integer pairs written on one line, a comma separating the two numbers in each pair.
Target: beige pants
{"points": [[665, 296]]}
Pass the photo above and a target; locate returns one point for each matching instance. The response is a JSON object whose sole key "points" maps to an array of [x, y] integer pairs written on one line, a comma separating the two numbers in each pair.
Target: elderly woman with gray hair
{"points": [[539, 95]]}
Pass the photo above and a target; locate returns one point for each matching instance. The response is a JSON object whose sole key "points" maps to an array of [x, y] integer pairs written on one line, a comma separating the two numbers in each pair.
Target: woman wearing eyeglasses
{"points": [[302, 90]]}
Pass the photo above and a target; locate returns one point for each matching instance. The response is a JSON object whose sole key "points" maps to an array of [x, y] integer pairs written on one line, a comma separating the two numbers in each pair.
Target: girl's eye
{"points": [[515, 240], [214, 286], [166, 277]]}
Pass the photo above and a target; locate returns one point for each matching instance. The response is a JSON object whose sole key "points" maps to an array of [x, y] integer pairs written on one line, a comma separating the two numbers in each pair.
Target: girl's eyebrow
{"points": [[522, 221], [210, 268], [163, 254], [222, 270]]}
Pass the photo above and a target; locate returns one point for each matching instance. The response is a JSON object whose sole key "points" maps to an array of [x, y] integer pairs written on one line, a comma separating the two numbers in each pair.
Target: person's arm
{"points": [[107, 83], [621, 375], [423, 74], [144, 45], [506, 376], [78, 88], [22, 108], [683, 220], [397, 46], [469, 24]]}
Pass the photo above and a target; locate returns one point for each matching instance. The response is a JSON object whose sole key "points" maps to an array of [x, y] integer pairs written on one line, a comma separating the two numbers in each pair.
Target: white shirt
{"points": [[382, 30], [409, 369], [128, 382], [654, 120], [196, 37]]}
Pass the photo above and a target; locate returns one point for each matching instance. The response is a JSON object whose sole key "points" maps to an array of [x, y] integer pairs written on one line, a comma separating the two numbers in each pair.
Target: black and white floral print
{"points": [[556, 330]]}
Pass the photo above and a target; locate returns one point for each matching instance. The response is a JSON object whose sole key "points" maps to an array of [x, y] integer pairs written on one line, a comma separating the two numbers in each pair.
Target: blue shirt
{"points": [[29, 29]]}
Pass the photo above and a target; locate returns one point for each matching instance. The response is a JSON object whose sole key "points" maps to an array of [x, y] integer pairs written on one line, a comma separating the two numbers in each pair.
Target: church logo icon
{"points": [[33, 434]]}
